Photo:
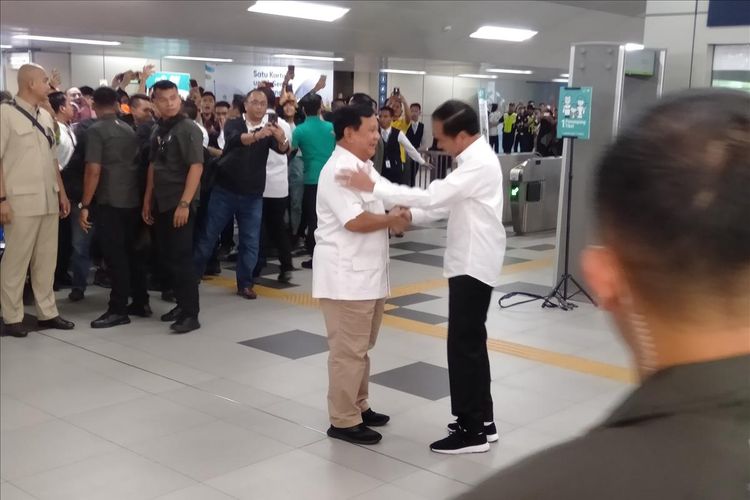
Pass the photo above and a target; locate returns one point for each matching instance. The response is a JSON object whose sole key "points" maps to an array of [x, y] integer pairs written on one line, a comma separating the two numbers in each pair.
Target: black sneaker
{"points": [[110, 319], [359, 434], [185, 324], [142, 311], [489, 430], [461, 442], [372, 419], [18, 330], [172, 315], [76, 295]]}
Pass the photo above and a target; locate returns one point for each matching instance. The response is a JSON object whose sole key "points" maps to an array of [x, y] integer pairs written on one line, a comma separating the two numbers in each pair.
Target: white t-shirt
{"points": [[66, 146], [348, 265], [471, 197], [494, 120], [277, 174]]}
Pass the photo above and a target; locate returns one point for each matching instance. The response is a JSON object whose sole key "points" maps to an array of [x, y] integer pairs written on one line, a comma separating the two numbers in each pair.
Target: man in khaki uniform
{"points": [[32, 198]]}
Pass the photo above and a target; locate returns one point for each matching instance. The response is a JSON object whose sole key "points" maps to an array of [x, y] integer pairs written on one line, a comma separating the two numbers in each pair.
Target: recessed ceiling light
{"points": [[190, 58], [630, 47], [510, 71], [403, 71], [565, 75], [301, 10], [502, 33], [309, 58], [6, 46], [472, 75], [65, 40], [560, 80]]}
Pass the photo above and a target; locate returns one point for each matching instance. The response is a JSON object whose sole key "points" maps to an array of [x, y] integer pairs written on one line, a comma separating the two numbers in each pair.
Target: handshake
{"points": [[399, 219]]}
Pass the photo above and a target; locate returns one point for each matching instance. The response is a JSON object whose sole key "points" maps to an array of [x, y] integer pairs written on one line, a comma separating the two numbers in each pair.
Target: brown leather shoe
{"points": [[248, 293]]}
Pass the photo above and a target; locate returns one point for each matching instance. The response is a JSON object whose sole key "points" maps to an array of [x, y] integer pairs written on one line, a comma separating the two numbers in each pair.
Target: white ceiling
{"points": [[370, 36]]}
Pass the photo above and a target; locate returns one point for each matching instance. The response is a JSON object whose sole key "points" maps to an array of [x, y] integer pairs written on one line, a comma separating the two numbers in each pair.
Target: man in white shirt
{"points": [[472, 199], [276, 199], [394, 139], [350, 274], [63, 115]]}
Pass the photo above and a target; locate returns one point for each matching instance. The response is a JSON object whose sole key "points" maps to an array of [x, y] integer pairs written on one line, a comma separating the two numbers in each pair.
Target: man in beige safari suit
{"points": [[32, 198]]}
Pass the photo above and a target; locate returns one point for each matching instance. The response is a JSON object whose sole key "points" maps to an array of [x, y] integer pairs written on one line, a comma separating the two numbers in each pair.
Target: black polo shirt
{"points": [[242, 169], [171, 154], [683, 434], [112, 143]]}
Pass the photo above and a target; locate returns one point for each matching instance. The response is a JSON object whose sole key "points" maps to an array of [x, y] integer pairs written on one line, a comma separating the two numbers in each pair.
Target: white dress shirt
{"points": [[205, 134], [66, 146], [277, 173], [404, 141], [220, 140], [348, 265], [471, 197]]}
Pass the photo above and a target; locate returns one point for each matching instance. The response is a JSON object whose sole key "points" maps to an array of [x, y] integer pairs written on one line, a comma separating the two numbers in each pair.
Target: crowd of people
{"points": [[154, 184], [523, 128]]}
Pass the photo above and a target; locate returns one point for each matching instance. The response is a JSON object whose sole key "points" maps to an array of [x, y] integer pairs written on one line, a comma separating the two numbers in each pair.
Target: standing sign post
{"points": [[573, 122]]}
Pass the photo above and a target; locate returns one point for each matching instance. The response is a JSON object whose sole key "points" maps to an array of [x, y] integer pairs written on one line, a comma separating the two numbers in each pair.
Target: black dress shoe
{"points": [[56, 323], [285, 277], [14, 330], [142, 311], [373, 419], [172, 315], [110, 319], [359, 434], [76, 295], [185, 324]]}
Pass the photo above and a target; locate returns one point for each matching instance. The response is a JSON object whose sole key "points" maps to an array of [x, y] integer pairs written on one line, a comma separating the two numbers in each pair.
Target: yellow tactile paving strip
{"points": [[566, 361]]}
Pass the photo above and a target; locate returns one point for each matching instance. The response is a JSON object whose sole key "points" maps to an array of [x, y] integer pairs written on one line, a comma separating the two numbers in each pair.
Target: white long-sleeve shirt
{"points": [[66, 146], [404, 141], [471, 198]]}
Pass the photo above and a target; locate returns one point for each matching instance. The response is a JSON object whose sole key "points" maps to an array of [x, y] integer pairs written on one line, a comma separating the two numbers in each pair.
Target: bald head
{"points": [[33, 83]]}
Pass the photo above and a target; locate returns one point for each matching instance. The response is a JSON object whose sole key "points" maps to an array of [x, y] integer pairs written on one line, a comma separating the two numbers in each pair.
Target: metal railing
{"points": [[440, 165]]}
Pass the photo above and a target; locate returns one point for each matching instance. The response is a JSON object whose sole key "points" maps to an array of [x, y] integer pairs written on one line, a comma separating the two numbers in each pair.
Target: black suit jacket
{"points": [[416, 138]]}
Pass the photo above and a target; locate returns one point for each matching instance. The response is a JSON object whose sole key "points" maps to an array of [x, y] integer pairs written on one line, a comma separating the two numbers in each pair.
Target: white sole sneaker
{"points": [[492, 438], [480, 448]]}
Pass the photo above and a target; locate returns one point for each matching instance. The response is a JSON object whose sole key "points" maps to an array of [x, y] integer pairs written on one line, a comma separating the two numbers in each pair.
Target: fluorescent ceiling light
{"points": [[309, 58], [501, 33], [403, 71], [65, 40], [472, 75], [302, 10], [6, 46], [510, 71], [630, 47], [560, 80], [190, 58], [565, 75]]}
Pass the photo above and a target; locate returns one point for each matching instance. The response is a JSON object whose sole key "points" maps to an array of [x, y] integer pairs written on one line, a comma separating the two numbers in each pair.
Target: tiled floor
{"points": [[238, 409]]}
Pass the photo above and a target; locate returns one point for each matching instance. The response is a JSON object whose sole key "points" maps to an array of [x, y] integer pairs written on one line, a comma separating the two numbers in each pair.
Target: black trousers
{"points": [[508, 142], [495, 143], [274, 231], [310, 215], [176, 250], [120, 229], [468, 362]]}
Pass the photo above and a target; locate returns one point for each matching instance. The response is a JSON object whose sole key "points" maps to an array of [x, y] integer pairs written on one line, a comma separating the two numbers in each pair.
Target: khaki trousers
{"points": [[29, 240], [353, 327]]}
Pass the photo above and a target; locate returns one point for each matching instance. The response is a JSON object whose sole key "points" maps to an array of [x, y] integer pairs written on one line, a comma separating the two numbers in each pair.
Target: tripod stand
{"points": [[558, 297]]}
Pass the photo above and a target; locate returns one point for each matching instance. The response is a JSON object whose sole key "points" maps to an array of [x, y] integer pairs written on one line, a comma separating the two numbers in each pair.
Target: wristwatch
{"points": [[81, 206], [183, 204]]}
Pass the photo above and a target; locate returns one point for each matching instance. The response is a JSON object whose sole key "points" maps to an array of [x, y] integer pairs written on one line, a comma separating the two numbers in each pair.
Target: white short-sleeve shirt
{"points": [[348, 265], [277, 173]]}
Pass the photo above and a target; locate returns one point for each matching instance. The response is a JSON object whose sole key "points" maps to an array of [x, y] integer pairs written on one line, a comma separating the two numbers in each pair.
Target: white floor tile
{"points": [[15, 414], [120, 475], [431, 485], [364, 459], [11, 492], [292, 476], [197, 492], [209, 450]]}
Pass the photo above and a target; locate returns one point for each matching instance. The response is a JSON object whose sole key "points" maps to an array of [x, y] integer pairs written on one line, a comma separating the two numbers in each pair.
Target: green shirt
{"points": [[316, 139]]}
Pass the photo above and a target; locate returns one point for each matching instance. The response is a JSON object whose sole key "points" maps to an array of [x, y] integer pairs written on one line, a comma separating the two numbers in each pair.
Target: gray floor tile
{"points": [[420, 258], [294, 344], [415, 246], [407, 300], [520, 286], [432, 319], [421, 379], [540, 248], [513, 260]]}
